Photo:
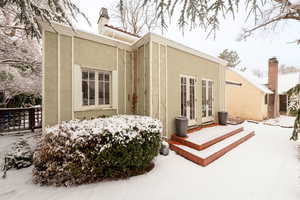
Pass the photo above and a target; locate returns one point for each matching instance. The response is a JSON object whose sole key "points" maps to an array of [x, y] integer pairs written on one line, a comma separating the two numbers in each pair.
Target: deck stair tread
{"points": [[207, 145], [216, 147], [205, 135]]}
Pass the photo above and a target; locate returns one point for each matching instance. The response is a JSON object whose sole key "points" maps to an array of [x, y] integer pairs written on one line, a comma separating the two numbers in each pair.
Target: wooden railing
{"points": [[20, 119]]}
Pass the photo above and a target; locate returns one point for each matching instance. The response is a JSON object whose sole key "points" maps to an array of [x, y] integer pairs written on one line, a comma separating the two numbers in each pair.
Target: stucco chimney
{"points": [[103, 20], [273, 85]]}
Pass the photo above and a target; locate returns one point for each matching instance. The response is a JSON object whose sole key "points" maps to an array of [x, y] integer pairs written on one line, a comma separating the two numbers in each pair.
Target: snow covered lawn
{"points": [[283, 121], [263, 168]]}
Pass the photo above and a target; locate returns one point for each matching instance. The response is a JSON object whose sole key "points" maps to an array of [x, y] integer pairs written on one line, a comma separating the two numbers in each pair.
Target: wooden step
{"points": [[207, 137], [214, 152]]}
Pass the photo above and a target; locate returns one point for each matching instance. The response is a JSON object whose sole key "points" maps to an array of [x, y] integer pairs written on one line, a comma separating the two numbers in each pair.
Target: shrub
{"points": [[77, 152]]}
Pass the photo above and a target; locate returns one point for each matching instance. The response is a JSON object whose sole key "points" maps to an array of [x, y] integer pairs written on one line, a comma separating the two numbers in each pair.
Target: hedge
{"points": [[77, 152]]}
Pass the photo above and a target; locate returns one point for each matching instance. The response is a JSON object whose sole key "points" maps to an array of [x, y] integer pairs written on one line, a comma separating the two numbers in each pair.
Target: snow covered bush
{"points": [[77, 152], [19, 157]]}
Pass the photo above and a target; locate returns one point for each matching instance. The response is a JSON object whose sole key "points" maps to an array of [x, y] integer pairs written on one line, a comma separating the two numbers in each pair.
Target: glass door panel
{"points": [[183, 97], [207, 100]]}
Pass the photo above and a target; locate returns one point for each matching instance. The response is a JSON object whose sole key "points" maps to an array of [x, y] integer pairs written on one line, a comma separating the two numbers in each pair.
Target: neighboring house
{"points": [[89, 75], [245, 97], [249, 97], [285, 83]]}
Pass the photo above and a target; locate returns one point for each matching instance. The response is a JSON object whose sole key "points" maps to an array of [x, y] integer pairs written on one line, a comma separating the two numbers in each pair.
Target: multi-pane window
{"points": [[96, 88]]}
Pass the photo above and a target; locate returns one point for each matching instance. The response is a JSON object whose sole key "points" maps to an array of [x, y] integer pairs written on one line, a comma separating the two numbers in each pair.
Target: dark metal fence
{"points": [[20, 119]]}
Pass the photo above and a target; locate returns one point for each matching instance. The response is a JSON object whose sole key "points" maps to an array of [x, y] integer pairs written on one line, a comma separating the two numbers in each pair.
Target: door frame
{"points": [[188, 77], [208, 118]]}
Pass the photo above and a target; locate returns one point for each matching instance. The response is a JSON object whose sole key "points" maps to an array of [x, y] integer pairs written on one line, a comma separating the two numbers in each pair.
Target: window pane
{"points": [[192, 99], [85, 93], [91, 75], [183, 97], [92, 92], [101, 77], [107, 92], [101, 92], [106, 77], [210, 85], [85, 75], [204, 98]]}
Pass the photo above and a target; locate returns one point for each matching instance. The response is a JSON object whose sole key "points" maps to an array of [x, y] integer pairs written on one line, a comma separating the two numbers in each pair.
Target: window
{"points": [[266, 99], [96, 88], [2, 95], [183, 97], [104, 88]]}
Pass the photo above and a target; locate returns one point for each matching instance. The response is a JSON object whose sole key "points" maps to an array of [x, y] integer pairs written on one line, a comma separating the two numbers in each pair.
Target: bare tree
{"points": [[134, 16], [284, 69], [258, 73], [242, 69], [276, 11]]}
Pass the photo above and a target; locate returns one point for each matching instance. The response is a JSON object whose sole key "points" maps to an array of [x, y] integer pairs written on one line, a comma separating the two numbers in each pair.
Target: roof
{"points": [[121, 30], [185, 48], [287, 81], [90, 34], [253, 80]]}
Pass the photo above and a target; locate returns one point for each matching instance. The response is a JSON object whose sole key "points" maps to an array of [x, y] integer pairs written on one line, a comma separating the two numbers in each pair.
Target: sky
{"points": [[254, 52]]}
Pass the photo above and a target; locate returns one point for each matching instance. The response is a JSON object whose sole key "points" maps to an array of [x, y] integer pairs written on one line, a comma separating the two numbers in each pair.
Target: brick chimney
{"points": [[273, 105], [103, 20]]}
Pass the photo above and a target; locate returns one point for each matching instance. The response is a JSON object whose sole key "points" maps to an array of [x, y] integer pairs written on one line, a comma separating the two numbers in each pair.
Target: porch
{"points": [[205, 145]]}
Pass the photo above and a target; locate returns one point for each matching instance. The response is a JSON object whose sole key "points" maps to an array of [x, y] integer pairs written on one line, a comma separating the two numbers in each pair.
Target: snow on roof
{"points": [[287, 81], [256, 82], [121, 30]]}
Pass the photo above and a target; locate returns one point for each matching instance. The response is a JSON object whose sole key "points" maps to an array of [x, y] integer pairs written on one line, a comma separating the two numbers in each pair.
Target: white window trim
{"points": [[80, 106]]}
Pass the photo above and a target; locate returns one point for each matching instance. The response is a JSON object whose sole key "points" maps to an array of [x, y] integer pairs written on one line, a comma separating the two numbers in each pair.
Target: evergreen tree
{"points": [[30, 12], [231, 57], [207, 14]]}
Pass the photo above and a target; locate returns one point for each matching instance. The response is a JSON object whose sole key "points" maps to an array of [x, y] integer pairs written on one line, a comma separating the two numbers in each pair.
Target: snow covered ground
{"points": [[283, 121], [263, 168]]}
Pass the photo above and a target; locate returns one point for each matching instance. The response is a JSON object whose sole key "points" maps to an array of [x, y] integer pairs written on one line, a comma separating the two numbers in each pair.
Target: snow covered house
{"points": [[88, 75], [249, 97], [286, 82]]}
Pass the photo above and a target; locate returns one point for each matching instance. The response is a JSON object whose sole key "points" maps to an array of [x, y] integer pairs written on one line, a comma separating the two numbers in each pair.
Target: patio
{"points": [[265, 167]]}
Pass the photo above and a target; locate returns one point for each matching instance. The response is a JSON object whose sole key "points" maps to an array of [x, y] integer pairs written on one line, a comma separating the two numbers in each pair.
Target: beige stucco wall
{"points": [[93, 113], [167, 64], [129, 82], [61, 54], [158, 83], [95, 54], [50, 79], [65, 77], [182, 63], [246, 101], [142, 80], [150, 70]]}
